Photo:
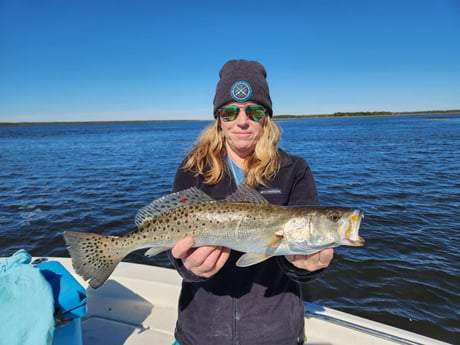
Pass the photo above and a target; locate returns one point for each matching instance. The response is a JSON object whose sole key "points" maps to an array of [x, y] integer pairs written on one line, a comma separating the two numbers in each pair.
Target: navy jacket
{"points": [[261, 304]]}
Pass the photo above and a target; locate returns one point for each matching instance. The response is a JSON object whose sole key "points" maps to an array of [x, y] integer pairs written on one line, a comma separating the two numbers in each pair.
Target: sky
{"points": [[79, 60]]}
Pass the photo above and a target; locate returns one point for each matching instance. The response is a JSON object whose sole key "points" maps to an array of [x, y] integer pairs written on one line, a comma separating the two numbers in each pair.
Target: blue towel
{"points": [[26, 303]]}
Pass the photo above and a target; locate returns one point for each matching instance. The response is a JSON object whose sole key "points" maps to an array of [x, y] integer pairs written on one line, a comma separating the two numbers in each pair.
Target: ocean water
{"points": [[404, 172]]}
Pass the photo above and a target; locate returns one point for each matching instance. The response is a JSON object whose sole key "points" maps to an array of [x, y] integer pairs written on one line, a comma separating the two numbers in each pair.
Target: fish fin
{"points": [[250, 259], [274, 243], [188, 197], [156, 250], [245, 193], [94, 257], [304, 248]]}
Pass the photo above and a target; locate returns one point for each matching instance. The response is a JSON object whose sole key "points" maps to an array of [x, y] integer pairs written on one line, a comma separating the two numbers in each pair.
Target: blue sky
{"points": [[64, 60]]}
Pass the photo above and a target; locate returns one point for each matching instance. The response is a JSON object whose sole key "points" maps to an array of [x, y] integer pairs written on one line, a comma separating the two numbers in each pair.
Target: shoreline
{"points": [[367, 114], [275, 117]]}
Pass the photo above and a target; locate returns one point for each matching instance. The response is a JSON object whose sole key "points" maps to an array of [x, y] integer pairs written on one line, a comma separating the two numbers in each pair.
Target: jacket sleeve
{"points": [[296, 274]]}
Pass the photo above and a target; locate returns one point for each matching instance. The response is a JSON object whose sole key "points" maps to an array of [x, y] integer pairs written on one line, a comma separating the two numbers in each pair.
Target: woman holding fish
{"points": [[260, 302], [231, 228], [240, 249]]}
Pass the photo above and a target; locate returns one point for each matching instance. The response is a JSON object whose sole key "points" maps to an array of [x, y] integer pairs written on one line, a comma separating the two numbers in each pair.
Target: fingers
{"points": [[207, 260], [183, 247], [203, 256], [312, 262], [325, 257], [203, 261]]}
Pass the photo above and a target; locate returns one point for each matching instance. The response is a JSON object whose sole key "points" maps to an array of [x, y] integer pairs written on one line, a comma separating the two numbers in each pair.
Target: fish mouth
{"points": [[357, 243], [351, 232]]}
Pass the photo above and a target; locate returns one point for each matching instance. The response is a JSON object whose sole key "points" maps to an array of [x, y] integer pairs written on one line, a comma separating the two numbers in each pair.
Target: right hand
{"points": [[202, 261]]}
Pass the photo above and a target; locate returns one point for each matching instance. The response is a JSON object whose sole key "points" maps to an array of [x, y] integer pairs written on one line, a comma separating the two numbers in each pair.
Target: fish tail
{"points": [[94, 257]]}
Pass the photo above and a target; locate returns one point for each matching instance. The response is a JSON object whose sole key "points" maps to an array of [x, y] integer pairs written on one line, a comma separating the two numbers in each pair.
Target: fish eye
{"points": [[334, 216]]}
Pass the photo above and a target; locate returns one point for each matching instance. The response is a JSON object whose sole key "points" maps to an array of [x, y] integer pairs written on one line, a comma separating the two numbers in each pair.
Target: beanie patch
{"points": [[241, 91]]}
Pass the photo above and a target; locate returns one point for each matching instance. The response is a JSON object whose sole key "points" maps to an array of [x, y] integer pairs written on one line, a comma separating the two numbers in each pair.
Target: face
{"points": [[241, 134]]}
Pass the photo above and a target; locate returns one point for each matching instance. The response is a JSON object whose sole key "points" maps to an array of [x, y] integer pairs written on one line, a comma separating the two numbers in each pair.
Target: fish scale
{"points": [[244, 221]]}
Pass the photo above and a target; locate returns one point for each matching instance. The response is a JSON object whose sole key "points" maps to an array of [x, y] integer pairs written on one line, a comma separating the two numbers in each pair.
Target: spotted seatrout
{"points": [[244, 221]]}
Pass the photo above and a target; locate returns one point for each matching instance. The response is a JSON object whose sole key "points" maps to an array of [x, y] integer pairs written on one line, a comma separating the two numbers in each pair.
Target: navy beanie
{"points": [[241, 81]]}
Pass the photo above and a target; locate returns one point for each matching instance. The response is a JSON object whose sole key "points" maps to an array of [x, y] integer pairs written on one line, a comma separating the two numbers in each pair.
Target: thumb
{"points": [[182, 248]]}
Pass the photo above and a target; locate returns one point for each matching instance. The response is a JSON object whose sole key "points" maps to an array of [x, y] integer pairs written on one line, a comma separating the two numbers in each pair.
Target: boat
{"points": [[138, 305]]}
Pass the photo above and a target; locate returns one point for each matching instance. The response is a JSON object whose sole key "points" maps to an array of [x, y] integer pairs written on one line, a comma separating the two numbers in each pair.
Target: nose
{"points": [[242, 119]]}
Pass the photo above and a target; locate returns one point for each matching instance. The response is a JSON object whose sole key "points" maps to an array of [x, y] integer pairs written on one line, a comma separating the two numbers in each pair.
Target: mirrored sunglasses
{"points": [[254, 112]]}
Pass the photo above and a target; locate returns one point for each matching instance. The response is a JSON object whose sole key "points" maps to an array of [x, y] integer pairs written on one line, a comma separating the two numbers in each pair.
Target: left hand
{"points": [[203, 261], [312, 262]]}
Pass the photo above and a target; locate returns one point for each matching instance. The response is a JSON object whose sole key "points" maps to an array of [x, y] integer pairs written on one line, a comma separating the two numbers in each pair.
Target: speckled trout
{"points": [[244, 221]]}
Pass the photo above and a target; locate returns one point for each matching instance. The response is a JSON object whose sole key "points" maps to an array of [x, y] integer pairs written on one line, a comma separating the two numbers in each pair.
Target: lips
{"points": [[243, 133]]}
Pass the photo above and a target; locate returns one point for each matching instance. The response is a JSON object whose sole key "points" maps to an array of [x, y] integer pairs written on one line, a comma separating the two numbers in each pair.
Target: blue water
{"points": [[404, 172]]}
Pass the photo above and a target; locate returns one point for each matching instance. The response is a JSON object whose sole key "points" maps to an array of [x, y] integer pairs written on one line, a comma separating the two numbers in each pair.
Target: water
{"points": [[404, 172]]}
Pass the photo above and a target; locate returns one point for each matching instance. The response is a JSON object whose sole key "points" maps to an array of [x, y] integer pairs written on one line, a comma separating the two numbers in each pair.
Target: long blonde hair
{"points": [[208, 155]]}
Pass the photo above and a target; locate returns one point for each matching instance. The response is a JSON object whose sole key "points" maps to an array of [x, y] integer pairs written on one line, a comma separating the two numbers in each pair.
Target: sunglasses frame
{"points": [[250, 115]]}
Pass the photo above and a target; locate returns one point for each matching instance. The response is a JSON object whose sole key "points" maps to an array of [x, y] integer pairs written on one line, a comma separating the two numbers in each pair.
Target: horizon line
{"points": [[275, 117]]}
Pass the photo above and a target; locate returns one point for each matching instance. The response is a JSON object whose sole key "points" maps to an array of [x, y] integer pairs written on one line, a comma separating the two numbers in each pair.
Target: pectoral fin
{"points": [[250, 259], [155, 250], [305, 248]]}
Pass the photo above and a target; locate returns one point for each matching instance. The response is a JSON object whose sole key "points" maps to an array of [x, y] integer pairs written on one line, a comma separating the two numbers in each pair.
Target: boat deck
{"points": [[137, 305]]}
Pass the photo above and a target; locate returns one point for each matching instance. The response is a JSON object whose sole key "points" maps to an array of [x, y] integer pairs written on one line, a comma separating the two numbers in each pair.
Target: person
{"points": [[219, 302]]}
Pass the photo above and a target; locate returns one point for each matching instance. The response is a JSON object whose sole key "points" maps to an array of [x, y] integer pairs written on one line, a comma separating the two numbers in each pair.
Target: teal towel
{"points": [[26, 303]]}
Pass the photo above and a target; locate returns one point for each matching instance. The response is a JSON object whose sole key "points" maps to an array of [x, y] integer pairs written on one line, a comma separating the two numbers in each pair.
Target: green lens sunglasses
{"points": [[229, 113]]}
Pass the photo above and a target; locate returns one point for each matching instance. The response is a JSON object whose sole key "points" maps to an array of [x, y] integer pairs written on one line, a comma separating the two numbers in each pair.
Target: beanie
{"points": [[241, 81]]}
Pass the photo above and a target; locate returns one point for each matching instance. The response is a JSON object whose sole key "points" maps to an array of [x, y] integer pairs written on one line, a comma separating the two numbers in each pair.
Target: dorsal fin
{"points": [[188, 197], [244, 193]]}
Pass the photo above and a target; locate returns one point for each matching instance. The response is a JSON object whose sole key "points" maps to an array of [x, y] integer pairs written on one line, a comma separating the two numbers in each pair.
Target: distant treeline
{"points": [[367, 113], [363, 113]]}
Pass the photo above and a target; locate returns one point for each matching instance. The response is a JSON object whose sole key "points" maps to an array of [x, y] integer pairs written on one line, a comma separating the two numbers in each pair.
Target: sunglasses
{"points": [[254, 112]]}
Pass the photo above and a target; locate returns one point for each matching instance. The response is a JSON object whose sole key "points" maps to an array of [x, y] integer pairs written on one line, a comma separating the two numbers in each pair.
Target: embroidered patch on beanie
{"points": [[241, 91]]}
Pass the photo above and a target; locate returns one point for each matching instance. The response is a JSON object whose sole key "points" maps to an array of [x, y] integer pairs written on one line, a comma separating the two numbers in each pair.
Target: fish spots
{"points": [[183, 199]]}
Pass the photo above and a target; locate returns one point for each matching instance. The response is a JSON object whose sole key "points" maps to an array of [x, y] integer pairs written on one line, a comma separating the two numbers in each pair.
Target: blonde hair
{"points": [[208, 155]]}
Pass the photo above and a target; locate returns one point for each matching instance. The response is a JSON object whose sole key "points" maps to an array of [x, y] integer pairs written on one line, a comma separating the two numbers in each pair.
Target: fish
{"points": [[244, 222]]}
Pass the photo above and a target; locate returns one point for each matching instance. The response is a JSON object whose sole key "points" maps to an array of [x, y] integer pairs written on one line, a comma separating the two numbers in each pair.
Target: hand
{"points": [[203, 261], [312, 262]]}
